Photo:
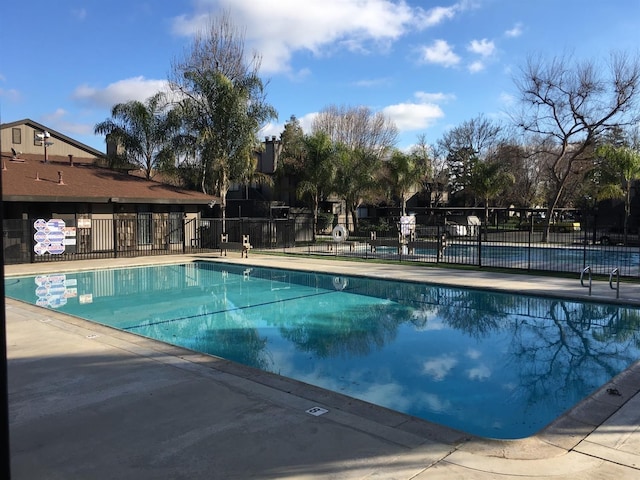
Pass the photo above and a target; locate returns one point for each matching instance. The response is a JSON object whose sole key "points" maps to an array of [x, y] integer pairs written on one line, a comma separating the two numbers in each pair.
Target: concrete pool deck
{"points": [[90, 402]]}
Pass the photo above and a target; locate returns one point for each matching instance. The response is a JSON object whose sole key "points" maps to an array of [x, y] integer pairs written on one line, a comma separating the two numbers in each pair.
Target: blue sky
{"points": [[429, 65]]}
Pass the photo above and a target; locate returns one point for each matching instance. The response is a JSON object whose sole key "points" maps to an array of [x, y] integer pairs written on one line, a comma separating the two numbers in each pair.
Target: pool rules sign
{"points": [[53, 236]]}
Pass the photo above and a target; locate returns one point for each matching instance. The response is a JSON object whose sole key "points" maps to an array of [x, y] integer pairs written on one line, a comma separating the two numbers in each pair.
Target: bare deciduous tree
{"points": [[357, 128], [566, 105], [525, 167]]}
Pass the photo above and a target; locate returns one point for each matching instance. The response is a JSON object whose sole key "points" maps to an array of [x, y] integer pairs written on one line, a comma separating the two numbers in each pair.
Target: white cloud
{"points": [[435, 16], [441, 53], [473, 353], [276, 129], [477, 66], [507, 99], [481, 372], [390, 395], [516, 31], [407, 116], [484, 47], [271, 129], [136, 88], [54, 116], [439, 367], [435, 403], [278, 29], [58, 121], [413, 116]]}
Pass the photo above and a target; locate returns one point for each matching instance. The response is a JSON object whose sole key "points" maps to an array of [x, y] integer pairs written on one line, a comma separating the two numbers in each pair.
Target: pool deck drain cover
{"points": [[316, 411]]}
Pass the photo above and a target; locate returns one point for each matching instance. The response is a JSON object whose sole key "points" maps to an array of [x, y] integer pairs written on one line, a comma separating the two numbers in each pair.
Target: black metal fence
{"points": [[31, 241], [569, 247], [566, 252]]}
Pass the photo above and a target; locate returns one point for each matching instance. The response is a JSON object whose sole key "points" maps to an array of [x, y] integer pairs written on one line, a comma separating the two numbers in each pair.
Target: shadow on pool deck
{"points": [[90, 402]]}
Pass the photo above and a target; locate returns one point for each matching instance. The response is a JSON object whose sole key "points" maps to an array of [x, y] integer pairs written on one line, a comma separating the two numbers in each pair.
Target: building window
{"points": [[175, 227], [145, 228], [16, 136]]}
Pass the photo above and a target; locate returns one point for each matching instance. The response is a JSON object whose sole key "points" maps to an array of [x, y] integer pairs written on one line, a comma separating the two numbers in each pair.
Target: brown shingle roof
{"points": [[33, 180]]}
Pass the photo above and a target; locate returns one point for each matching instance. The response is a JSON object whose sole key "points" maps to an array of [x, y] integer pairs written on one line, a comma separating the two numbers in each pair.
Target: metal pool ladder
{"points": [[616, 272], [586, 270]]}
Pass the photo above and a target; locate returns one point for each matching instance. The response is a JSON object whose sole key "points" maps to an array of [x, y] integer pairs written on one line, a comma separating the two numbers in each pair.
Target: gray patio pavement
{"points": [[90, 402]]}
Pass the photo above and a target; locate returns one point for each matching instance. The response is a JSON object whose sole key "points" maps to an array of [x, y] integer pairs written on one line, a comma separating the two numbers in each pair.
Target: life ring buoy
{"points": [[340, 283], [339, 233]]}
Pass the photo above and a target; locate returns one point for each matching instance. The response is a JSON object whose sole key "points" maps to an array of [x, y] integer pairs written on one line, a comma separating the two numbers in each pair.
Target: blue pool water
{"points": [[550, 258], [491, 364]]}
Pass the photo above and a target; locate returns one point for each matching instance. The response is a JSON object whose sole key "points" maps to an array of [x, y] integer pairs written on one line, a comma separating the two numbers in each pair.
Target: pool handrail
{"points": [[616, 272], [586, 269]]}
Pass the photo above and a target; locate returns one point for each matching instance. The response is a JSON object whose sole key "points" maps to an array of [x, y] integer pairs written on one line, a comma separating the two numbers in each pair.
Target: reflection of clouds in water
{"points": [[359, 384], [422, 313], [435, 323], [510, 387], [435, 403], [481, 372], [439, 367], [388, 394], [474, 354]]}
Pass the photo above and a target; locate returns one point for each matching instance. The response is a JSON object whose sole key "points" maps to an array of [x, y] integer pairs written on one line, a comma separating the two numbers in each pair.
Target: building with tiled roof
{"points": [[35, 188], [47, 175]]}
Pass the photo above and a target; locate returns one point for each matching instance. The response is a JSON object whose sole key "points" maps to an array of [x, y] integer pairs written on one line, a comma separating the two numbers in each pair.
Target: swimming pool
{"points": [[491, 364]]}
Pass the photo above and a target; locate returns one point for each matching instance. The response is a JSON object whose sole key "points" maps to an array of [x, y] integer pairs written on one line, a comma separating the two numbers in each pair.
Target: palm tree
{"points": [[142, 130], [319, 170], [222, 103], [405, 175], [356, 179], [616, 172], [487, 180]]}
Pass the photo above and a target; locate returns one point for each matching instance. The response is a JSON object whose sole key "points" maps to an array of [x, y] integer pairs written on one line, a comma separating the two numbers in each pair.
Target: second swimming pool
{"points": [[491, 364]]}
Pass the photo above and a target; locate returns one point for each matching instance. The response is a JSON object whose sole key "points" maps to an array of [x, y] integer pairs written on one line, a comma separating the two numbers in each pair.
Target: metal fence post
{"points": [[26, 228], [529, 243], [184, 235], [479, 247], [115, 237]]}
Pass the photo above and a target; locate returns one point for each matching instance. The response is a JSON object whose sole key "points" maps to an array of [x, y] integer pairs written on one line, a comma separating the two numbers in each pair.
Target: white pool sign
{"points": [[52, 236], [53, 290]]}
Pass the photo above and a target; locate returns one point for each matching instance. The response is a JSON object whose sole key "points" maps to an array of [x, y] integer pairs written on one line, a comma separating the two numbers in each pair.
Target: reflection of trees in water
{"points": [[574, 350], [357, 330], [229, 333], [475, 313], [233, 338], [557, 346], [216, 327], [348, 326], [622, 324]]}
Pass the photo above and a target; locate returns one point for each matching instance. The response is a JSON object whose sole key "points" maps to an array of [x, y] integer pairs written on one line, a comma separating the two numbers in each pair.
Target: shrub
{"points": [[325, 220]]}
